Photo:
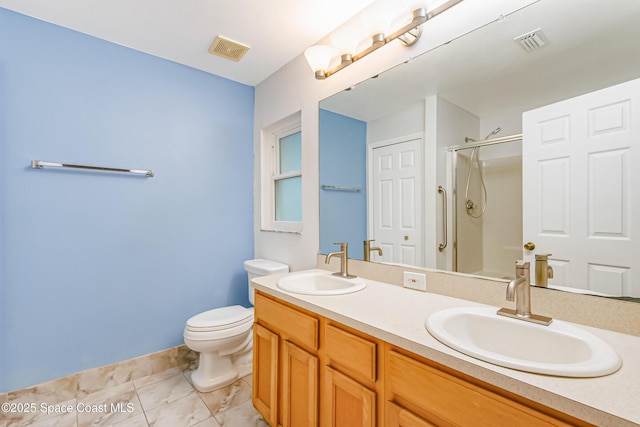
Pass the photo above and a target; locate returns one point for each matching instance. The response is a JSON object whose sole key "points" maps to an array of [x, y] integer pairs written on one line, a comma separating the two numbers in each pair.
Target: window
{"points": [[282, 176], [287, 178]]}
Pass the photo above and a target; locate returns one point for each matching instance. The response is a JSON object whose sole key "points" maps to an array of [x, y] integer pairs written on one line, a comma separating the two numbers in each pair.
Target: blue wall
{"points": [[100, 267], [343, 155]]}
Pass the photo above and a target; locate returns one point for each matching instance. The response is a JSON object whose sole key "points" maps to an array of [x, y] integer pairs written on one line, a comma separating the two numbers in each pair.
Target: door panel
{"points": [[265, 373], [347, 403], [299, 387], [579, 159], [397, 202]]}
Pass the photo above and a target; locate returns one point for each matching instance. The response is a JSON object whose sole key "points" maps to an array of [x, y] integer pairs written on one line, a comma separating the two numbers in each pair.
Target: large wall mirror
{"points": [[434, 160]]}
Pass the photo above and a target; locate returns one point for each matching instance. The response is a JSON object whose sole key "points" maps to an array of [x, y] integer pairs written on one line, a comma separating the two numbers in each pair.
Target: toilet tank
{"points": [[262, 267]]}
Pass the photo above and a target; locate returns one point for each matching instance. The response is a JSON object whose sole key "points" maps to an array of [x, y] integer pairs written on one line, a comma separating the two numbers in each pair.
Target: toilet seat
{"points": [[233, 318], [220, 318]]}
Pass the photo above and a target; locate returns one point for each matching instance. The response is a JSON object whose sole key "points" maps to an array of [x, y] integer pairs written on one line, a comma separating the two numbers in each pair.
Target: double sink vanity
{"points": [[334, 351]]}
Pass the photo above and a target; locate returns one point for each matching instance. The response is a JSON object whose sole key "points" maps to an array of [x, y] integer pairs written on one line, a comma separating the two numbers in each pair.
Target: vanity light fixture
{"points": [[320, 57]]}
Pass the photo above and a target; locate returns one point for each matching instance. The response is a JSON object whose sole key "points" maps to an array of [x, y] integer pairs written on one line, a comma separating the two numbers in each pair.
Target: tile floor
{"points": [[165, 398]]}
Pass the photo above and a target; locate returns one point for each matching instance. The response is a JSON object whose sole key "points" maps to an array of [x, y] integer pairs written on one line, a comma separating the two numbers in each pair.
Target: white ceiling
{"points": [[589, 46], [182, 31]]}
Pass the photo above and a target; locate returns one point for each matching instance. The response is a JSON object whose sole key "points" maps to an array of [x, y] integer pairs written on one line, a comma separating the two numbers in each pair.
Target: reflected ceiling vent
{"points": [[532, 40], [229, 49]]}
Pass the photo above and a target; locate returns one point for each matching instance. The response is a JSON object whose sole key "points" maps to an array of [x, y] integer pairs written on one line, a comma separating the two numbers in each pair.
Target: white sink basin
{"points": [[557, 349], [320, 283]]}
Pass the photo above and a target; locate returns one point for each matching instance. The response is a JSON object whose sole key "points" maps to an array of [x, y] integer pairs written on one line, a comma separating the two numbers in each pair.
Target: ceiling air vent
{"points": [[532, 40], [229, 49]]}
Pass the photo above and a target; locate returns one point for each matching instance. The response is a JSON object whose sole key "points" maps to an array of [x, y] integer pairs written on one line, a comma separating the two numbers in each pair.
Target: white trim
{"points": [[430, 164], [269, 165], [291, 174]]}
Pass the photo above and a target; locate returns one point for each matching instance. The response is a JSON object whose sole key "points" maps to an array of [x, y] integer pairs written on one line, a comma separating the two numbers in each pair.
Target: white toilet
{"points": [[223, 336]]}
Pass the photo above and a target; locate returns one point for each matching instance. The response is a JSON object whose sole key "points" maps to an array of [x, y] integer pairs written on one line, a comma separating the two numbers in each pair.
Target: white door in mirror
{"points": [[579, 167]]}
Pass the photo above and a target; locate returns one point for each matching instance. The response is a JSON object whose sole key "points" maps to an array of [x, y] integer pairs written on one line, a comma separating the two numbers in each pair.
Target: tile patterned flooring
{"points": [[165, 398]]}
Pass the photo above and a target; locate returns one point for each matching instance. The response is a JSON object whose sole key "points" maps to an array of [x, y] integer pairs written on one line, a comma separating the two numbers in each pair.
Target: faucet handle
{"points": [[542, 257], [342, 244], [523, 270]]}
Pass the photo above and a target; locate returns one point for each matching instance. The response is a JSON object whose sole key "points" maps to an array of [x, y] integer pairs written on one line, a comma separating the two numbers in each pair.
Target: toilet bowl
{"points": [[218, 335], [223, 336]]}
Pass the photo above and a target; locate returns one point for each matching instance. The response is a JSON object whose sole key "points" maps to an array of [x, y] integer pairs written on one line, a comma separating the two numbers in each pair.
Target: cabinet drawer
{"points": [[356, 354], [455, 400], [397, 416], [290, 324]]}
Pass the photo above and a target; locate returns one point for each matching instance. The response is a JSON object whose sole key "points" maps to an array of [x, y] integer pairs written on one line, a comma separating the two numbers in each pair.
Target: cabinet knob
{"points": [[406, 237], [529, 246]]}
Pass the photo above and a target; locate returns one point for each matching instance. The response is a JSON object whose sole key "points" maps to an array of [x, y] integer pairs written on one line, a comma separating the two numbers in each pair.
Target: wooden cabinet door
{"points": [[346, 402], [265, 373], [299, 387], [397, 416]]}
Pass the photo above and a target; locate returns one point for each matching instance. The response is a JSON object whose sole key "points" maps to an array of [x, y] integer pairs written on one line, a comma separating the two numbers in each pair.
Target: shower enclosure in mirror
{"points": [[468, 88], [487, 205]]}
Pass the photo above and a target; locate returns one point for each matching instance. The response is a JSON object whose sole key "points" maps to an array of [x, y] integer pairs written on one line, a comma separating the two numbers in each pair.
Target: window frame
{"points": [[271, 173]]}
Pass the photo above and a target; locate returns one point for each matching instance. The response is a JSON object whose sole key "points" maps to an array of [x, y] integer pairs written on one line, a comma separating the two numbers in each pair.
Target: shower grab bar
{"points": [[340, 188], [39, 164], [441, 190]]}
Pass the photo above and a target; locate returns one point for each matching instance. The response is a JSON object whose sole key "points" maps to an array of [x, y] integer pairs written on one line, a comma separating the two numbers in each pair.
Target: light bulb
{"points": [[378, 17], [318, 57], [346, 39]]}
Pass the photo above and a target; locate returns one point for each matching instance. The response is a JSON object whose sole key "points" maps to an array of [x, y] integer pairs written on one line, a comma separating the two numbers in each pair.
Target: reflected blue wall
{"points": [[343, 153]]}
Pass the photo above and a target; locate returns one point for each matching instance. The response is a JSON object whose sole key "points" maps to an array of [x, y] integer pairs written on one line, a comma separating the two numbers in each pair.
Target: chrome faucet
{"points": [[519, 289], [544, 271], [368, 249], [344, 260]]}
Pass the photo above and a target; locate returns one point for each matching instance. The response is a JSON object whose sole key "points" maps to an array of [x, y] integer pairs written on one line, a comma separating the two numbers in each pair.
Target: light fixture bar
{"points": [[377, 41], [419, 17], [442, 8]]}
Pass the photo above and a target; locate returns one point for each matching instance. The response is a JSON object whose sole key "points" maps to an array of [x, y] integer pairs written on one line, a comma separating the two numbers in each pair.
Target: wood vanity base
{"points": [[312, 371]]}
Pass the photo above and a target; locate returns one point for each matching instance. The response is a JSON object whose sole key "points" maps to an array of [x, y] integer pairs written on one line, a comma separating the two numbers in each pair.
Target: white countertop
{"points": [[397, 315]]}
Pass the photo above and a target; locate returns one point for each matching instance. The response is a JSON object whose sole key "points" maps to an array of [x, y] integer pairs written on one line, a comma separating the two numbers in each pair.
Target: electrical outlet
{"points": [[415, 281]]}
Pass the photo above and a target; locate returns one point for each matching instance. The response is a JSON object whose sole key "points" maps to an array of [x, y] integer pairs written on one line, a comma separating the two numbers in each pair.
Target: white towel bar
{"points": [[39, 164]]}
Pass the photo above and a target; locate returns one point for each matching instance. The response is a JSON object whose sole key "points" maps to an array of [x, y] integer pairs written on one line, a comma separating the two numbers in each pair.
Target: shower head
{"points": [[495, 131]]}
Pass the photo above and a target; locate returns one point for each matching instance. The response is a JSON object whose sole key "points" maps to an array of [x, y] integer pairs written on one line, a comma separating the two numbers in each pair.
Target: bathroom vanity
{"points": [[366, 359]]}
